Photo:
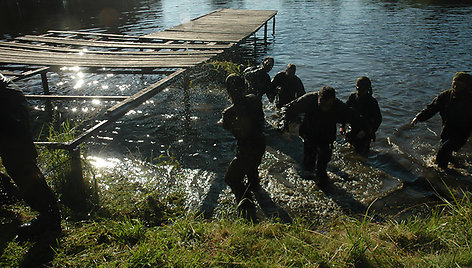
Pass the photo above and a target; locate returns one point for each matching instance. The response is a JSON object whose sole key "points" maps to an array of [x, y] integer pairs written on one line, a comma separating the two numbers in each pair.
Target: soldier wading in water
{"points": [[245, 120], [455, 108]]}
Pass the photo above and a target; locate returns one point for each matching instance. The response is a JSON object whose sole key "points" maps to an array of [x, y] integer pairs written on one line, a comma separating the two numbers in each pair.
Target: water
{"points": [[409, 49]]}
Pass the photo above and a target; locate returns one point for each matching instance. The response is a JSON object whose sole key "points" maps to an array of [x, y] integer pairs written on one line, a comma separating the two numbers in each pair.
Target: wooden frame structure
{"points": [[171, 52]]}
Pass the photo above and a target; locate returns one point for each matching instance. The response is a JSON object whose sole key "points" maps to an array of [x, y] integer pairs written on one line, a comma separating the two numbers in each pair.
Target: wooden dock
{"points": [[171, 52], [182, 46]]}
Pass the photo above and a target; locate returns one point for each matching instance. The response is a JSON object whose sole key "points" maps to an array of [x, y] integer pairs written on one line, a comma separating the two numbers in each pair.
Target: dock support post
{"points": [[75, 189], [44, 82], [265, 33], [273, 26]]}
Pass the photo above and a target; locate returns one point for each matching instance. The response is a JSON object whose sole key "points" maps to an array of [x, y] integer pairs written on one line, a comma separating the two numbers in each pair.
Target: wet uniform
{"points": [[258, 82], [370, 119], [290, 88], [318, 129], [246, 122], [19, 154], [456, 114]]}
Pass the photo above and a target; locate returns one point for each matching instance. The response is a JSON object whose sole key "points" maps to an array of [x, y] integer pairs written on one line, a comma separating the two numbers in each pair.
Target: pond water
{"points": [[409, 49]]}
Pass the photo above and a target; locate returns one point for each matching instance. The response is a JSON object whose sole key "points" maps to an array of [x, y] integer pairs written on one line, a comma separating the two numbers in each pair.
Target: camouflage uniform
{"points": [[288, 87], [456, 114], [245, 120], [370, 117], [318, 129]]}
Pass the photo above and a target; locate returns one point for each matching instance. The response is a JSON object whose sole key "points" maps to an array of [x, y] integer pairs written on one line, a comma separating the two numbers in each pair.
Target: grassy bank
{"points": [[136, 228], [440, 240]]}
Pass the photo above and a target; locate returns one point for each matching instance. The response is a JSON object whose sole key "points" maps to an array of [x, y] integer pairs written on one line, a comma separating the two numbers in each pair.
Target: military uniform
{"points": [[288, 87], [370, 119], [245, 120], [258, 82], [318, 129], [456, 114], [19, 154]]}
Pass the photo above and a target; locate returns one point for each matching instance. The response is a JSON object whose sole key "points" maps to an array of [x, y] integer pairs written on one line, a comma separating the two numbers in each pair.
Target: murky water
{"points": [[409, 49]]}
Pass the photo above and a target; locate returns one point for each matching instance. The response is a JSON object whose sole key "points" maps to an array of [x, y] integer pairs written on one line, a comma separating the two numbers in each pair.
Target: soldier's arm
{"points": [[430, 110], [300, 88], [376, 116], [229, 117]]}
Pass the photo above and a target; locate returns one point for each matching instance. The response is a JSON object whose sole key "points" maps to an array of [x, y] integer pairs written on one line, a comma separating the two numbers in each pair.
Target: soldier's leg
{"points": [[309, 155], [234, 178], [445, 151], [324, 156], [18, 158], [253, 163], [34, 189]]}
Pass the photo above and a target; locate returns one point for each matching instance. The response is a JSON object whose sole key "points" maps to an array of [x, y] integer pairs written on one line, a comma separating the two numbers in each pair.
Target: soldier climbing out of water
{"points": [[367, 107], [318, 130], [245, 120], [18, 155], [258, 80], [454, 107], [287, 86]]}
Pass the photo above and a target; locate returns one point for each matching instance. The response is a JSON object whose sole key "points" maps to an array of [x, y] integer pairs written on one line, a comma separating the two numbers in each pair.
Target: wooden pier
{"points": [[171, 52]]}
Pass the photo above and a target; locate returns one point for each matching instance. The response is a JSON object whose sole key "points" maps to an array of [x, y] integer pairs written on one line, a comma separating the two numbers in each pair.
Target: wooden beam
{"points": [[123, 107], [69, 97]]}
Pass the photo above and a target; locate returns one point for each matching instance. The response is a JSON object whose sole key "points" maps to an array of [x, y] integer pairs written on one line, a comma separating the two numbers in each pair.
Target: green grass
{"points": [[441, 239], [132, 225]]}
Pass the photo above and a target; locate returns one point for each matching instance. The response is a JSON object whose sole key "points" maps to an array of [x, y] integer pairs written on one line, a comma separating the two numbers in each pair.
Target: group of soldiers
{"points": [[359, 118], [322, 112]]}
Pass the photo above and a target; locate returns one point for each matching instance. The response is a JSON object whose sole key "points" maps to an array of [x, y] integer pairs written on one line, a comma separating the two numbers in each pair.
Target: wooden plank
{"points": [[138, 98], [200, 36], [114, 64], [35, 47], [63, 59], [98, 57], [29, 73], [96, 34], [113, 44], [69, 97]]}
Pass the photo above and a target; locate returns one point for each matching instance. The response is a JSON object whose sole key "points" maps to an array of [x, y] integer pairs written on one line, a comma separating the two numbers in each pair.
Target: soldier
{"points": [[454, 107], [367, 107], [287, 86], [318, 130], [258, 80], [245, 120], [18, 155]]}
